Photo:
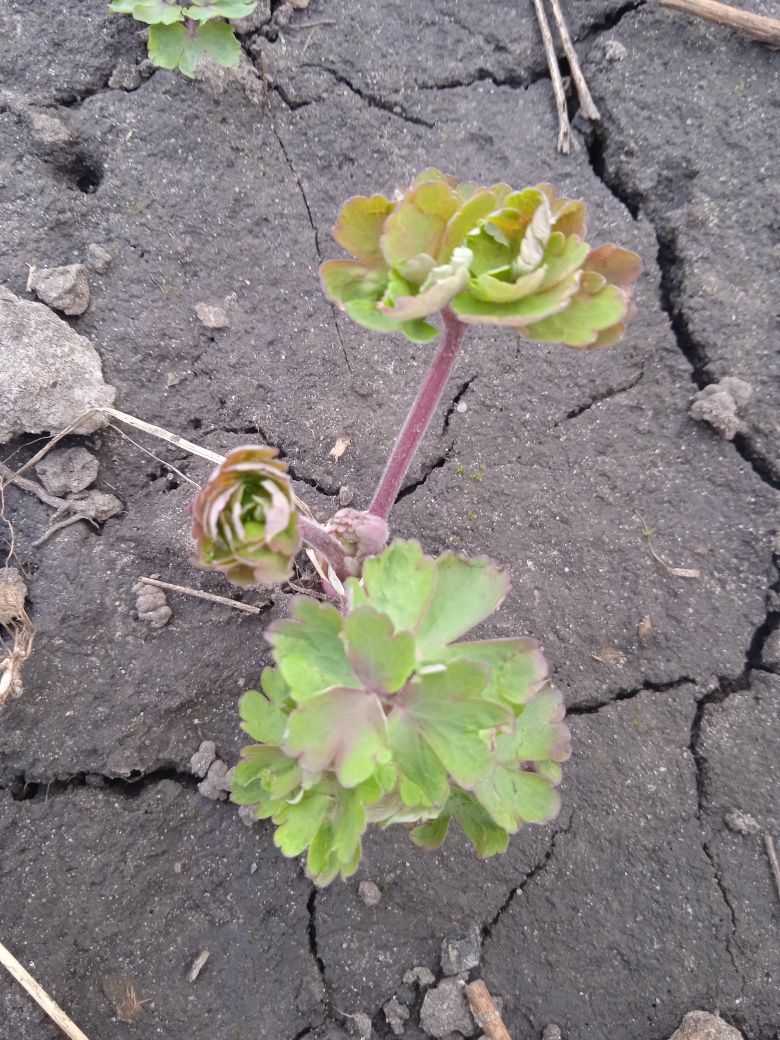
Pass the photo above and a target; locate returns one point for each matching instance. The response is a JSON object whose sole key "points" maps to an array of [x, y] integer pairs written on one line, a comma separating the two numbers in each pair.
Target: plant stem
{"points": [[325, 544], [419, 417]]}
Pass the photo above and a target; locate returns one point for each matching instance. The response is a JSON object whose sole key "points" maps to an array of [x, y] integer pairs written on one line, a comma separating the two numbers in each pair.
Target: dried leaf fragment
{"points": [[338, 449]]}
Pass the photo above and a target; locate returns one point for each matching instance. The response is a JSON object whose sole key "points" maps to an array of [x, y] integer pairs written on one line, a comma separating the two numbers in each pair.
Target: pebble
{"points": [[741, 822], [125, 77], [152, 605], [98, 258], [370, 893], [419, 976], [461, 953], [67, 470], [445, 1009], [718, 404], [552, 1032], [216, 785], [65, 289], [203, 757], [212, 316], [701, 1025], [397, 1015]]}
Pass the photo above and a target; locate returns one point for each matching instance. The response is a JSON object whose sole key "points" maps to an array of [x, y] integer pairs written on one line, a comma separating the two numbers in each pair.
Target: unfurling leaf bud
{"points": [[244, 518], [359, 534]]}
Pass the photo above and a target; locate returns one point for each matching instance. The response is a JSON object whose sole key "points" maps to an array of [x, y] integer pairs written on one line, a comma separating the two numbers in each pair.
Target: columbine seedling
{"points": [[180, 34], [376, 711]]}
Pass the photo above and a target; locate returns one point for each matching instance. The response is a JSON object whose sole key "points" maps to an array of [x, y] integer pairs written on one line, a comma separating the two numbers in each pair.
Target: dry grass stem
{"points": [[485, 1012], [247, 608], [40, 996], [564, 128], [774, 865], [587, 104], [759, 26]]}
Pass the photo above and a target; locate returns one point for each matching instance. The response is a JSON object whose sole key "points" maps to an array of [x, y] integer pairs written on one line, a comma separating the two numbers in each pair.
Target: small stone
{"points": [[461, 953], [216, 786], [396, 1015], [253, 868], [65, 289], [701, 1025], [346, 495], [299, 5], [741, 822], [203, 757], [359, 1025], [283, 15], [552, 1032], [370, 893], [67, 470], [212, 316], [97, 505], [49, 131], [178, 867], [152, 605], [613, 50], [125, 77], [446, 1010], [419, 976], [719, 403], [98, 258]]}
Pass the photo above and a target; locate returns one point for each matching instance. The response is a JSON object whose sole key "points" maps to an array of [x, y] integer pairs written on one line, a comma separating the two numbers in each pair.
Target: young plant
{"points": [[181, 33], [375, 711]]}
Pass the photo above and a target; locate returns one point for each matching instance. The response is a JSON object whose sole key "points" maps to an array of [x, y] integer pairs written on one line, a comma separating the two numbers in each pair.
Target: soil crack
{"points": [[593, 707], [670, 267], [530, 875], [372, 100], [604, 395]]}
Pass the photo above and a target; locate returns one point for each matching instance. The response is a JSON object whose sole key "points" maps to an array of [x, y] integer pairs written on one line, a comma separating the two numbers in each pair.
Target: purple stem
{"points": [[323, 543], [419, 417]]}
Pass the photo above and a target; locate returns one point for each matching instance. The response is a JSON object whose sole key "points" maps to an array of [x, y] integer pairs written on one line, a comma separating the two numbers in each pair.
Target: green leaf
{"points": [[419, 331], [519, 313], [430, 835], [442, 283], [382, 660], [487, 838], [517, 666], [514, 796], [216, 40], [166, 45], [300, 822], [417, 760], [349, 823], [444, 708], [343, 730], [309, 649], [539, 734], [150, 11], [400, 583], [203, 10], [585, 316], [465, 593], [360, 225], [345, 280], [262, 720]]}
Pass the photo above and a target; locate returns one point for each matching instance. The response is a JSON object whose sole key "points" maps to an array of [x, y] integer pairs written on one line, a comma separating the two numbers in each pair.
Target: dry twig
{"points": [[587, 104], [39, 995], [773, 862], [759, 26], [485, 1012], [564, 128], [248, 608], [676, 572]]}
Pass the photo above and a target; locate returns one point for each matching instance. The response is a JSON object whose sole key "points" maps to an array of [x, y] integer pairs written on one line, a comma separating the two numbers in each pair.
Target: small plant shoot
{"points": [[376, 709], [180, 34]]}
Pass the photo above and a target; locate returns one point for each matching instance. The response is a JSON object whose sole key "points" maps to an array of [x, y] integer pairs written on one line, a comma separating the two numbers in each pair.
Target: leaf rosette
{"points": [[380, 714], [494, 255], [244, 519]]}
